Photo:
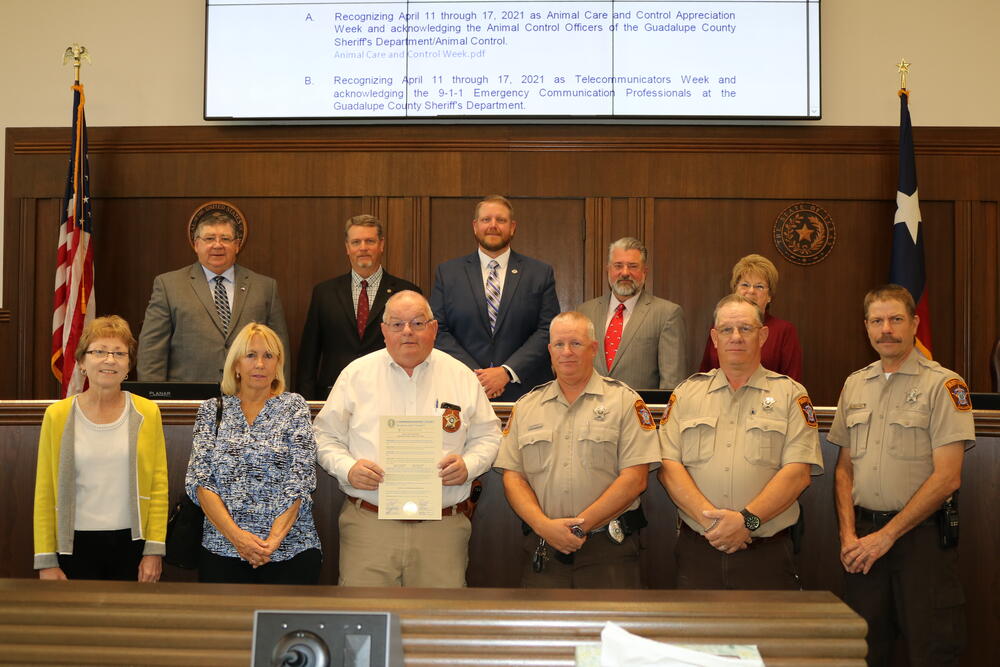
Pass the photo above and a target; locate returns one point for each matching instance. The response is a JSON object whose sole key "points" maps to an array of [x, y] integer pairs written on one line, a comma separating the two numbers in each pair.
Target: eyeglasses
{"points": [[756, 287], [100, 355], [573, 345], [212, 240], [894, 321], [415, 325], [744, 329], [631, 266]]}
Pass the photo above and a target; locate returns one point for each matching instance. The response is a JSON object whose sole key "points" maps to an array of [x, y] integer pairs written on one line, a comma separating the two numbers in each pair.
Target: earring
{"points": [[126, 377], [238, 376], [83, 371]]}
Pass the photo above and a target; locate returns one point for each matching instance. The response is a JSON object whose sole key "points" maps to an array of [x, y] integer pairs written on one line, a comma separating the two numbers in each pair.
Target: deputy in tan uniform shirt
{"points": [[903, 424], [575, 457], [739, 444]]}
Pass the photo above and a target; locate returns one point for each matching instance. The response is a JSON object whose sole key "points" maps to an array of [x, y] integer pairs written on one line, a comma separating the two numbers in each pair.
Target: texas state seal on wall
{"points": [[804, 234]]}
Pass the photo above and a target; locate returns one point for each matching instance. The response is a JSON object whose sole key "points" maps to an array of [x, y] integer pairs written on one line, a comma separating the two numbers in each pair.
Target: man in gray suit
{"points": [[195, 312], [643, 337]]}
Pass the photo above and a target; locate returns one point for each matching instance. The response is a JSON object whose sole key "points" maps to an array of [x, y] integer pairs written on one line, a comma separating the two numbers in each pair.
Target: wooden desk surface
{"points": [[115, 623]]}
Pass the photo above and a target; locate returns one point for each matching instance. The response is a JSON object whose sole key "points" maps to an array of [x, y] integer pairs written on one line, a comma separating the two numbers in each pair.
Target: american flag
{"points": [[73, 305], [907, 267]]}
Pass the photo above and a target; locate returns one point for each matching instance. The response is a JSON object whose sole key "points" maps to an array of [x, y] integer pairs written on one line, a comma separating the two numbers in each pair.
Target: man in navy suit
{"points": [[494, 307], [332, 337]]}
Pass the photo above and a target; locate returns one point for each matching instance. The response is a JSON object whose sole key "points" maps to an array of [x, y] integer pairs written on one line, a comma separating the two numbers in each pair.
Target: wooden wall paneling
{"points": [[25, 301], [985, 310], [962, 301], [406, 240], [647, 234], [37, 287], [598, 212], [698, 241], [941, 248]]}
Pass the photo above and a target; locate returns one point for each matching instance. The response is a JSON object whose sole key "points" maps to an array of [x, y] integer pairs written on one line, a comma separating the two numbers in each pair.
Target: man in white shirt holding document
{"points": [[385, 414]]}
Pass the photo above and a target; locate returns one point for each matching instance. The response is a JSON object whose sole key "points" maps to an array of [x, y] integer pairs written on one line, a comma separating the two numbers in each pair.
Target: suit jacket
{"points": [[330, 337], [182, 338], [652, 352], [527, 306]]}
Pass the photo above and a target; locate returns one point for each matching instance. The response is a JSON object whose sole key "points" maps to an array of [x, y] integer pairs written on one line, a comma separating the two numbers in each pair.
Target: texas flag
{"points": [[907, 233]]}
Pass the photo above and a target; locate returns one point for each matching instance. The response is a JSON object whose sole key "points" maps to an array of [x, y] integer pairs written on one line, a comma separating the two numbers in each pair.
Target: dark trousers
{"points": [[103, 554], [766, 564], [303, 569], [913, 591], [599, 563]]}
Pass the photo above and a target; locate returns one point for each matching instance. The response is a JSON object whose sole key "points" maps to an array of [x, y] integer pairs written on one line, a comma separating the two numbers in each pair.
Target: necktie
{"points": [[614, 335], [493, 294], [222, 303], [363, 309]]}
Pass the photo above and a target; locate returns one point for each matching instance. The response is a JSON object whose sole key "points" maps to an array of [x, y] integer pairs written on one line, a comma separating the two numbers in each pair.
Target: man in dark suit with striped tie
{"points": [[494, 307], [346, 312]]}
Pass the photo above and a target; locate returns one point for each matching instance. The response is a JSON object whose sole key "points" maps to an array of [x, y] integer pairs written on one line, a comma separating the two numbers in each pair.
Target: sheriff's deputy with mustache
{"points": [[903, 424]]}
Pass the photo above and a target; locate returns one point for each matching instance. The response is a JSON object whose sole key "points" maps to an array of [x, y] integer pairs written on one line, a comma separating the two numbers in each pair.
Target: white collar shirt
{"points": [[484, 264], [629, 307], [229, 282], [347, 428]]}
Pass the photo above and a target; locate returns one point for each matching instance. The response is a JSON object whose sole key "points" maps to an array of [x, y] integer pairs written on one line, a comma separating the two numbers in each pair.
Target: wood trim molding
{"points": [[965, 211], [6, 317], [26, 250], [790, 139]]}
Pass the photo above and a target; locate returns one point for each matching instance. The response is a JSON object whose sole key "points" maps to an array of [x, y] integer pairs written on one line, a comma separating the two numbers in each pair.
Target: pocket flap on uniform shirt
{"points": [[767, 424], [685, 424], [858, 417], [910, 419], [532, 437], [599, 433]]}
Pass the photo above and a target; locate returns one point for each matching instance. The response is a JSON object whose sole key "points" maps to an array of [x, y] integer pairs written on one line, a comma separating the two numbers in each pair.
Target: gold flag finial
{"points": [[77, 55], [903, 68]]}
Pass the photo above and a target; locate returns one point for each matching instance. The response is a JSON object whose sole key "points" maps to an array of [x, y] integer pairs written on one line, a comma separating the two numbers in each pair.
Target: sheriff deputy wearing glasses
{"points": [[408, 377], [194, 313], [739, 444], [575, 458], [903, 424]]}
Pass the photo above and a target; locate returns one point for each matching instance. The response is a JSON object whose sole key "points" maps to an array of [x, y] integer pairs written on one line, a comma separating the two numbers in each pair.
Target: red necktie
{"points": [[363, 309], [614, 335]]}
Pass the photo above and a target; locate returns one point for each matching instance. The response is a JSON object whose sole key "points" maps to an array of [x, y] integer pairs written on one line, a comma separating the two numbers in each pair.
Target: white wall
{"points": [[147, 64]]}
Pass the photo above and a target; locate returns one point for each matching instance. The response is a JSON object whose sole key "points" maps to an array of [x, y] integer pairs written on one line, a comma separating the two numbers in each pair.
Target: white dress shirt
{"points": [[347, 428], [627, 313]]}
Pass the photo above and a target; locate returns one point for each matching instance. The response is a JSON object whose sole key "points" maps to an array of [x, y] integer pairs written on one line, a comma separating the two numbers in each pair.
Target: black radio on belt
{"points": [[947, 519]]}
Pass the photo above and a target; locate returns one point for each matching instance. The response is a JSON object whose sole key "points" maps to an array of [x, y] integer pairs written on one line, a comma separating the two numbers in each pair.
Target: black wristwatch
{"points": [[751, 521]]}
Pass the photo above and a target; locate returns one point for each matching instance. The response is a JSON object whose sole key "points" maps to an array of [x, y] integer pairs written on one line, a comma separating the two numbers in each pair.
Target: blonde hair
{"points": [[109, 326], [756, 264], [240, 347]]}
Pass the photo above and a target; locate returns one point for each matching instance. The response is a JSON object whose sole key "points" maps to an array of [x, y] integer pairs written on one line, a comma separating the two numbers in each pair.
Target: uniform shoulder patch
{"points": [[644, 416], [959, 393], [808, 412], [666, 412], [510, 420]]}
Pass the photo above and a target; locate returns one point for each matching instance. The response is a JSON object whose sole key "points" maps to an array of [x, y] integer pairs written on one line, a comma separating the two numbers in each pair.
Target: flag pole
{"points": [[77, 55]]}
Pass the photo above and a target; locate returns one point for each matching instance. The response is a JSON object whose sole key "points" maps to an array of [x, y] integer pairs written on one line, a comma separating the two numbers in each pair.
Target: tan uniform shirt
{"points": [[571, 454], [733, 442], [892, 425]]}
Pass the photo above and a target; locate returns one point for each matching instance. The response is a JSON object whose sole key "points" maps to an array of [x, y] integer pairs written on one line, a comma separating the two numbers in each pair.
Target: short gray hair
{"points": [[627, 243], [407, 294], [575, 316], [736, 298]]}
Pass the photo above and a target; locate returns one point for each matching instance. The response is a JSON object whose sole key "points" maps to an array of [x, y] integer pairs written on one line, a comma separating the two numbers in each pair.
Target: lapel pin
{"points": [[513, 270]]}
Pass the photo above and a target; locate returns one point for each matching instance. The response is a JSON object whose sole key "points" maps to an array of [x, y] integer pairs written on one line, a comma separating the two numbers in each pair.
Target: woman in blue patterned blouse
{"points": [[252, 470]]}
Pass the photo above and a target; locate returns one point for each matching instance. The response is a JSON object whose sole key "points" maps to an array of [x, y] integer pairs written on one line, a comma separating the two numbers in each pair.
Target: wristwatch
{"points": [[751, 521]]}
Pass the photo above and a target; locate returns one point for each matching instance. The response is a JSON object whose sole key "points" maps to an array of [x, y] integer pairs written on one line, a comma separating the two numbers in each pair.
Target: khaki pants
{"points": [[374, 552]]}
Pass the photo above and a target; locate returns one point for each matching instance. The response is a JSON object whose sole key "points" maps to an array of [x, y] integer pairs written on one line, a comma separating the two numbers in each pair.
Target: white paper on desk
{"points": [[409, 449], [620, 648]]}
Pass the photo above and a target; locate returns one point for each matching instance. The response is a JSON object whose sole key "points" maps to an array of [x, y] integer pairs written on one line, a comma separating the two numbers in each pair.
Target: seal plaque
{"points": [[209, 207], [804, 234]]}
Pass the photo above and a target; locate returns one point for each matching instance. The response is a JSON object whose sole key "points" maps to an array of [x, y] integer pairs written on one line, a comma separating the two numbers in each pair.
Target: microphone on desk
{"points": [[301, 649]]}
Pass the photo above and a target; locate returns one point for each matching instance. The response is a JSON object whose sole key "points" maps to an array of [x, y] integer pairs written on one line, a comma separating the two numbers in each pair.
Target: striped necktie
{"points": [[222, 303], [493, 294]]}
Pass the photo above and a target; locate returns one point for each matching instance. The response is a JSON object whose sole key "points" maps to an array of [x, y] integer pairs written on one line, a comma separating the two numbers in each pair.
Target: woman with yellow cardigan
{"points": [[101, 484]]}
